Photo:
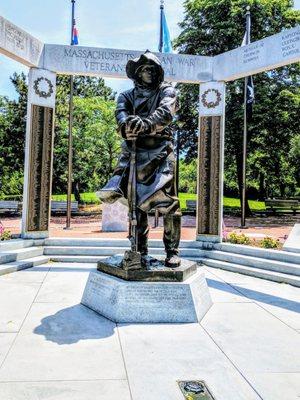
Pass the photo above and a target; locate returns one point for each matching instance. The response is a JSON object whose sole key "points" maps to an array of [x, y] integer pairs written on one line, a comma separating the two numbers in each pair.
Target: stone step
{"points": [[78, 242], [255, 262], [20, 254], [109, 251], [270, 254], [255, 272], [61, 242], [24, 264], [76, 259], [277, 255], [15, 244]]}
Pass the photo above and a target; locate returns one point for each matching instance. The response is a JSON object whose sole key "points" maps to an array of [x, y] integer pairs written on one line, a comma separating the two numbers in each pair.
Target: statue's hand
{"points": [[134, 126], [148, 127]]}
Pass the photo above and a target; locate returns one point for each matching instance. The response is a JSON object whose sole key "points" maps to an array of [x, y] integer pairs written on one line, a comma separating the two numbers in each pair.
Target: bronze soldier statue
{"points": [[144, 115]]}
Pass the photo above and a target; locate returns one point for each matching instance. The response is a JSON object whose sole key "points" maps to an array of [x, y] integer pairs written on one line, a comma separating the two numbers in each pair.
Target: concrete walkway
{"points": [[246, 348]]}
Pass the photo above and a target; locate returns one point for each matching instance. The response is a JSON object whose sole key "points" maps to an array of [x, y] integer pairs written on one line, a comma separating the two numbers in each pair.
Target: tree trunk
{"points": [[282, 190], [76, 192], [262, 189], [239, 169]]}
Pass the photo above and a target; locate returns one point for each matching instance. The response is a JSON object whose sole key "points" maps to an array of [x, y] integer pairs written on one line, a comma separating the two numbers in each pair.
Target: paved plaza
{"points": [[90, 226], [247, 346]]}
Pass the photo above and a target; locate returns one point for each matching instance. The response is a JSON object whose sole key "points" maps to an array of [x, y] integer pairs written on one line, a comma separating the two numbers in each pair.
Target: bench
{"points": [[191, 205], [60, 207], [8, 206], [280, 205]]}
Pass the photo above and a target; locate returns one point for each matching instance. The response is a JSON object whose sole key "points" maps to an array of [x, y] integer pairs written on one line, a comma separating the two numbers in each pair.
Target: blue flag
{"points": [[167, 44]]}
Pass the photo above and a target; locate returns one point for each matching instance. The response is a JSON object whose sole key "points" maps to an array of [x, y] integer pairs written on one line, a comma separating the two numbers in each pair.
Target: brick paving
{"points": [[89, 226]]}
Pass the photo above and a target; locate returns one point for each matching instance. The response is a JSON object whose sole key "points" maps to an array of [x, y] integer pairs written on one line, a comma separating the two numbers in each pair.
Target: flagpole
{"points": [[244, 183], [177, 159], [70, 141], [160, 48], [161, 39]]}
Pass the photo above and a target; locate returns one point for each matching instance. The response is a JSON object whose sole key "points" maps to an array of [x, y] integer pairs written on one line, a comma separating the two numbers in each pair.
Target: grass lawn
{"points": [[231, 203], [87, 198]]}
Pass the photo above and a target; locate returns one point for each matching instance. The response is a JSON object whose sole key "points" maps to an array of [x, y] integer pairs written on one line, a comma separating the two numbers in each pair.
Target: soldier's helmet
{"points": [[148, 58]]}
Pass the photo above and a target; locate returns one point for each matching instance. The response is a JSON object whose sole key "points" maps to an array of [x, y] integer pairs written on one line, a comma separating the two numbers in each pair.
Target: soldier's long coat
{"points": [[154, 149]]}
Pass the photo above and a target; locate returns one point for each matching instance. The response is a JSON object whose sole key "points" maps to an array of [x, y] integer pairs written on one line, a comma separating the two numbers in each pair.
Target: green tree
{"points": [[12, 137], [85, 88], [211, 27], [95, 143], [295, 157], [95, 140], [188, 176]]}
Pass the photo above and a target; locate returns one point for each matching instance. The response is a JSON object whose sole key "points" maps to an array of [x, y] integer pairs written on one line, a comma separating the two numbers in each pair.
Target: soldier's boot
{"points": [[172, 231]]}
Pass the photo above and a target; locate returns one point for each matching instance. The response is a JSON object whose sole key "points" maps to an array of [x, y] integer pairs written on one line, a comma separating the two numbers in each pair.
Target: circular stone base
{"points": [[147, 302]]}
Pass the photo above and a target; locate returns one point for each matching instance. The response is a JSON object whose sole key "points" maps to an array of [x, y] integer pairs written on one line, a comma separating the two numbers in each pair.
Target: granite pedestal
{"points": [[148, 302]]}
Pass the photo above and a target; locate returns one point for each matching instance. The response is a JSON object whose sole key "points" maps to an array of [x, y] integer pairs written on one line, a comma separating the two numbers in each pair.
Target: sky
{"points": [[121, 24]]}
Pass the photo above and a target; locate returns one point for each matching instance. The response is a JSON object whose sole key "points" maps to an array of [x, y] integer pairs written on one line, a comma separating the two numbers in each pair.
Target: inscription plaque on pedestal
{"points": [[148, 302], [41, 133]]}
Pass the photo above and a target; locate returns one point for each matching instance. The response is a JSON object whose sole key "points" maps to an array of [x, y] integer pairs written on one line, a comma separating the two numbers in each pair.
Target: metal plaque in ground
{"points": [[195, 390]]}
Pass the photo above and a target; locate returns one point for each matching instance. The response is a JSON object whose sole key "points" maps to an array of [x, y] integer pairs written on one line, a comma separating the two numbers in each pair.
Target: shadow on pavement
{"points": [[255, 295], [72, 324]]}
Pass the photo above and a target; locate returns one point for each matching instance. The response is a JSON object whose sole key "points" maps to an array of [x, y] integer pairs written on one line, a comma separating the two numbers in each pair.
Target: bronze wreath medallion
{"points": [[211, 104], [43, 93]]}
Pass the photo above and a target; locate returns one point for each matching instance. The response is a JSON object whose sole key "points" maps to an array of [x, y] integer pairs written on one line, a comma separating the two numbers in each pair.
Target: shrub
{"points": [[236, 238], [4, 233], [11, 183], [270, 243]]}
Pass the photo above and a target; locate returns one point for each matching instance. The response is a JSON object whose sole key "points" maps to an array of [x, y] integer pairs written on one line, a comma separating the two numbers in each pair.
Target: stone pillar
{"points": [[210, 162], [38, 153]]}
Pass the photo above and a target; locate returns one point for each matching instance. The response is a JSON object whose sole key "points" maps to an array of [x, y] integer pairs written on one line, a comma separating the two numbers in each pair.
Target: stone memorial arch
{"points": [[210, 73]]}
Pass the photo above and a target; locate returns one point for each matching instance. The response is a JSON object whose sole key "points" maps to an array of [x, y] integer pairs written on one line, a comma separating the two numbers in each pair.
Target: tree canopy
{"points": [[95, 143], [211, 27]]}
